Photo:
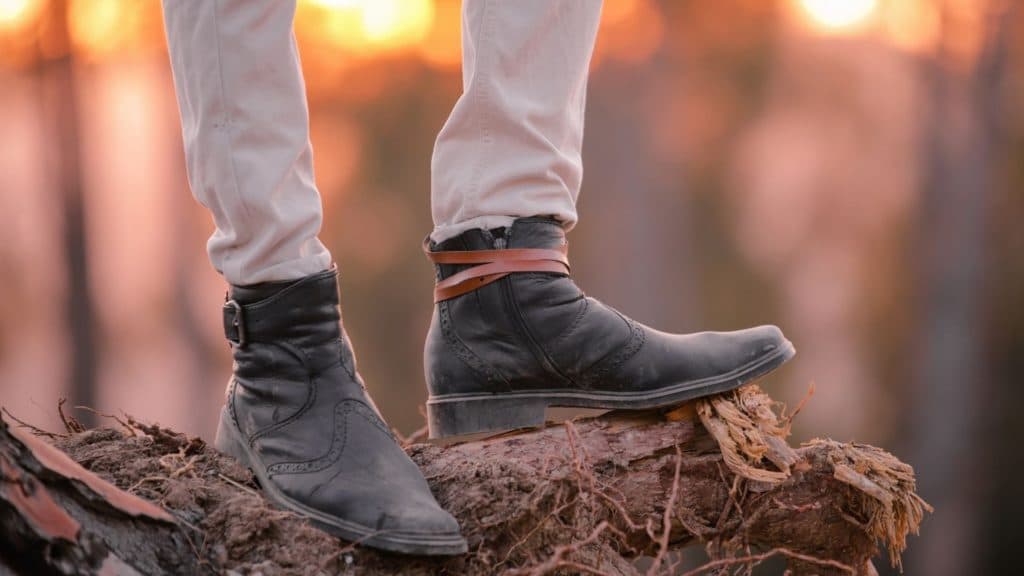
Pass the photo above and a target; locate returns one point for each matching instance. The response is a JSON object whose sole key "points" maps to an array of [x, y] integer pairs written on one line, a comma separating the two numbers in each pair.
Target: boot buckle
{"points": [[234, 323]]}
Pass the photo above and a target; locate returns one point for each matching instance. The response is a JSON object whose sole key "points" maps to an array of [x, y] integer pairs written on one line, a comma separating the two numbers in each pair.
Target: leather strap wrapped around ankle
{"points": [[492, 265]]}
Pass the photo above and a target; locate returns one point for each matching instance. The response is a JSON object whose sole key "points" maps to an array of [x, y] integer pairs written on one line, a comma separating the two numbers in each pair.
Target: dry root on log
{"points": [[587, 496]]}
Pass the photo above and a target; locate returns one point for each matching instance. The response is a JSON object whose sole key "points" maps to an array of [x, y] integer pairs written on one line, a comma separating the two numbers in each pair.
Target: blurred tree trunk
{"points": [[1001, 536], [636, 241], [61, 114], [951, 371]]}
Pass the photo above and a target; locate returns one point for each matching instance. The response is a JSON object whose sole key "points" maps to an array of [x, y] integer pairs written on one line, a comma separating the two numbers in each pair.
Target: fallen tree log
{"points": [[587, 496], [56, 517]]}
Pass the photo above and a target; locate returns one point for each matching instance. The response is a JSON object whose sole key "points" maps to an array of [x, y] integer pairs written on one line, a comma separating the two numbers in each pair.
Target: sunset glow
{"points": [[15, 13], [838, 14], [370, 25], [101, 28]]}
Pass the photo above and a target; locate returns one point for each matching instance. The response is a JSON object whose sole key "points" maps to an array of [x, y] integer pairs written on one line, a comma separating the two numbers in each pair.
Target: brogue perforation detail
{"points": [[637, 338], [462, 351], [338, 440]]}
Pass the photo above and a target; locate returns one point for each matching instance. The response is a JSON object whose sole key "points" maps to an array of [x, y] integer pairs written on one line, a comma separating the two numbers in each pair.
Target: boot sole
{"points": [[461, 414], [229, 441]]}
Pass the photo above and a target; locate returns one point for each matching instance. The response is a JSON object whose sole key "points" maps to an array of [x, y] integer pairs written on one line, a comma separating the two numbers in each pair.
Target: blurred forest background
{"points": [[851, 170]]}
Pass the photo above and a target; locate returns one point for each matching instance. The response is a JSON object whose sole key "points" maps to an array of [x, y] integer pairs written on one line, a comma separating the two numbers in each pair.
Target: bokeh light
{"points": [[838, 14], [17, 13], [368, 26], [104, 28]]}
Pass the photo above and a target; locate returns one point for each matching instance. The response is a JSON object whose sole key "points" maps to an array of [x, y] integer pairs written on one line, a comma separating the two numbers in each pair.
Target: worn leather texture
{"points": [[300, 404], [537, 331]]}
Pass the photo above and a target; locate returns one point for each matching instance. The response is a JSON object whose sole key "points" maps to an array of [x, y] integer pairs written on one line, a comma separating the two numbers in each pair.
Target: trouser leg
{"points": [[512, 145], [245, 125]]}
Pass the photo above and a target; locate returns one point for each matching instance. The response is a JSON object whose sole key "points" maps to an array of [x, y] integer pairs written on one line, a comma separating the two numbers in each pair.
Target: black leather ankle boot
{"points": [[512, 335], [297, 413]]}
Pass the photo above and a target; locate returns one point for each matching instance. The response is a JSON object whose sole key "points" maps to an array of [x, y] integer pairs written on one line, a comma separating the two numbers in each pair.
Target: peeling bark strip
{"points": [[582, 497], [58, 518], [58, 463]]}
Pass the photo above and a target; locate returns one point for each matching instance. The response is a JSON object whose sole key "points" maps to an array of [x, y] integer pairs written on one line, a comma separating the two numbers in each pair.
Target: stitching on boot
{"points": [[637, 338], [455, 344], [463, 352], [547, 363], [273, 298], [345, 352], [370, 415], [575, 323], [339, 440], [311, 383]]}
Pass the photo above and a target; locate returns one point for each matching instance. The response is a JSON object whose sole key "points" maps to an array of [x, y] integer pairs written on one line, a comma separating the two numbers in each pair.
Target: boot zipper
{"points": [[538, 352]]}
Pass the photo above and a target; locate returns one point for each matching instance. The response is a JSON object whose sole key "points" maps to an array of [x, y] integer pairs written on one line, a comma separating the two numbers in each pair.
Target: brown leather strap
{"points": [[492, 265]]}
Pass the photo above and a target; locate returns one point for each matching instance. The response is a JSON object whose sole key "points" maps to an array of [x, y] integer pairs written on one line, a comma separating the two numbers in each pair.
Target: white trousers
{"points": [[511, 147]]}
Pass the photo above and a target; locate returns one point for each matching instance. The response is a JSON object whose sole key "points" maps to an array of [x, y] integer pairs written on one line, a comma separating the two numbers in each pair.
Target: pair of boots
{"points": [[511, 334]]}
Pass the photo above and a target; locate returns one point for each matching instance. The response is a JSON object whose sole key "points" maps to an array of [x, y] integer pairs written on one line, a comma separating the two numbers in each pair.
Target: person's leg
{"points": [[512, 145], [296, 410], [511, 333], [246, 131]]}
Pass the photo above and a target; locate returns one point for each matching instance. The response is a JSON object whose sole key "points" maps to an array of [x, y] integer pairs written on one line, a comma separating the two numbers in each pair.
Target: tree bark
{"points": [[58, 518], [582, 497]]}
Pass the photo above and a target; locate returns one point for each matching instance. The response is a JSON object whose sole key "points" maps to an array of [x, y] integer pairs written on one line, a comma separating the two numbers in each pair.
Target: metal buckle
{"points": [[238, 322]]}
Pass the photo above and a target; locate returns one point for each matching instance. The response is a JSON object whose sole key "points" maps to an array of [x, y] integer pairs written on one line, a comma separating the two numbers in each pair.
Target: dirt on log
{"points": [[588, 496]]}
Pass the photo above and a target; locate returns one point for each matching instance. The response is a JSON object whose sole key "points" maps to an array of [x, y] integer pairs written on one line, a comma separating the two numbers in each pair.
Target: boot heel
{"points": [[458, 417], [229, 440]]}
